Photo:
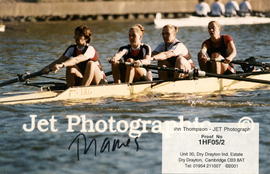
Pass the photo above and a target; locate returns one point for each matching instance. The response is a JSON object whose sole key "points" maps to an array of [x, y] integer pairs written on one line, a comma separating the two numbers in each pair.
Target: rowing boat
{"points": [[194, 21], [205, 85]]}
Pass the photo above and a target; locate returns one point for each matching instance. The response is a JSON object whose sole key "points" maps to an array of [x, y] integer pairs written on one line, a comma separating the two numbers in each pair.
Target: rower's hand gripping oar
{"points": [[24, 77], [109, 59]]}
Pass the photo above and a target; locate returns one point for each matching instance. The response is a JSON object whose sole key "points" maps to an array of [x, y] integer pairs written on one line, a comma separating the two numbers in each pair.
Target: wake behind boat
{"points": [[194, 21]]}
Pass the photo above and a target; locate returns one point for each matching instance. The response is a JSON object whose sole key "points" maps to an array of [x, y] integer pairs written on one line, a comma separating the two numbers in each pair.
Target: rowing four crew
{"points": [[83, 67], [218, 9]]}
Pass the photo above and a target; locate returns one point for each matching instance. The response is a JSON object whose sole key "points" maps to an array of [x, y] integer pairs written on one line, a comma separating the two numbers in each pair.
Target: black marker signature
{"points": [[107, 144]]}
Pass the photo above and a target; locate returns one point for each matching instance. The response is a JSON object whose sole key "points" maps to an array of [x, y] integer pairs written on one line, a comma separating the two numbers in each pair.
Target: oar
{"points": [[235, 78], [244, 74], [196, 73], [250, 61], [22, 77], [260, 57], [26, 76], [247, 65], [253, 63]]}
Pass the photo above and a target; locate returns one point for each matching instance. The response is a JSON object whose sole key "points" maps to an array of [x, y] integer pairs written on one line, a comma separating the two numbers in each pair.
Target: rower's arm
{"points": [[69, 62], [163, 55], [231, 51], [203, 52], [118, 55], [146, 60], [147, 57], [75, 60], [50, 67]]}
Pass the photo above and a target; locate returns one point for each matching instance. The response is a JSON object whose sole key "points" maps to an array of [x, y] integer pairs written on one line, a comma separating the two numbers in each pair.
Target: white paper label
{"points": [[216, 148]]}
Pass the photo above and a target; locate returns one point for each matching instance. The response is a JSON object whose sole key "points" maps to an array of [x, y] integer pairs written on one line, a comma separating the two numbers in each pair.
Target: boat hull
{"points": [[200, 86], [193, 21]]}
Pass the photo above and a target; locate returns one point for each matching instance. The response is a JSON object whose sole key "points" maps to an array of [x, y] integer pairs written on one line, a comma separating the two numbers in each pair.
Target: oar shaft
{"points": [[240, 62], [22, 78], [35, 74], [244, 62], [9, 82], [237, 78]]}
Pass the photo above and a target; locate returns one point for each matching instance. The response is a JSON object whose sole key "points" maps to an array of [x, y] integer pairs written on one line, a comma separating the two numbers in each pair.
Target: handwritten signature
{"points": [[107, 145]]}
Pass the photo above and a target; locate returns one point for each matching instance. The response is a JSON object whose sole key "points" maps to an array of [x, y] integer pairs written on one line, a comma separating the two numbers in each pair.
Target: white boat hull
{"points": [[200, 86], [193, 21]]}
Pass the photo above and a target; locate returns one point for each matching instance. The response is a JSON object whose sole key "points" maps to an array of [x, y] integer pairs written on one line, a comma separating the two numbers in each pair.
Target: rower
{"points": [[217, 9], [202, 8], [172, 53], [81, 61], [217, 47], [136, 52], [245, 8], [231, 8]]}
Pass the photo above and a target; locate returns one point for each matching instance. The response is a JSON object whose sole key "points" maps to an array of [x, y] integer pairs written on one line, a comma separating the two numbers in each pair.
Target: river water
{"points": [[30, 46]]}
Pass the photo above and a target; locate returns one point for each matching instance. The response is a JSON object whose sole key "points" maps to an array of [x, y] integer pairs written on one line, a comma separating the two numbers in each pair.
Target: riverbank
{"points": [[47, 10]]}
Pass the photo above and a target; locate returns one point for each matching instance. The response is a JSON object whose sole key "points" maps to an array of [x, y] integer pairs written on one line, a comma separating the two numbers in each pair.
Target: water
{"points": [[30, 46]]}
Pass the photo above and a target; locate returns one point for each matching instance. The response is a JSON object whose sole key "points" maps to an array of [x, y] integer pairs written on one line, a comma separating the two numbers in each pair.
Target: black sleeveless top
{"points": [[136, 54]]}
